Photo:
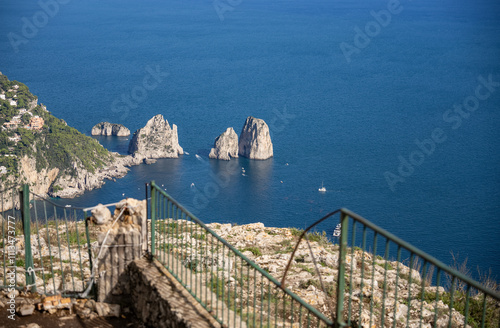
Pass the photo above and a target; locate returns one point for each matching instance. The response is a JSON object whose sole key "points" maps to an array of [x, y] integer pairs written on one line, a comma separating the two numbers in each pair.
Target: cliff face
{"points": [[225, 146], [71, 185], [110, 129], [156, 140], [52, 157], [57, 183], [255, 140]]}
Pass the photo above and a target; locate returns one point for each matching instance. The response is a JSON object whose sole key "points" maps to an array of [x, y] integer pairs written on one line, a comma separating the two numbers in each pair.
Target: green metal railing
{"points": [[386, 282], [236, 291], [53, 246], [380, 280]]}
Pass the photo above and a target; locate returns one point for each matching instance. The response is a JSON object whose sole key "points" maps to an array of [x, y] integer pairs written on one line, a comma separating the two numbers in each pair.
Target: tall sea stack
{"points": [[225, 146], [255, 140], [156, 140]]}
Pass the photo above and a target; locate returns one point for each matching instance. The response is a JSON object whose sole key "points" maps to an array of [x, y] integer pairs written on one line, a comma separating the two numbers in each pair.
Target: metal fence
{"points": [[380, 280], [236, 291], [45, 247], [386, 282]]}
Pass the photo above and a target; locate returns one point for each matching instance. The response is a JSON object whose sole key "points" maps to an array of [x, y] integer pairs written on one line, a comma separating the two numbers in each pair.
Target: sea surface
{"points": [[345, 108]]}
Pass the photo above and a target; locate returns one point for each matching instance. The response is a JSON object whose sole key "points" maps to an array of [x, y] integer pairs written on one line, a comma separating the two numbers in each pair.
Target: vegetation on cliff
{"points": [[53, 145]]}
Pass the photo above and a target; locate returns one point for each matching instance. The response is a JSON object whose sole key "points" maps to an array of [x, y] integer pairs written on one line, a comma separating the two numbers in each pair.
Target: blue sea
{"points": [[392, 105]]}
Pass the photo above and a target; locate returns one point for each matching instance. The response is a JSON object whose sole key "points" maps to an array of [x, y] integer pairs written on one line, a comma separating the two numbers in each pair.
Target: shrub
{"points": [[255, 250]]}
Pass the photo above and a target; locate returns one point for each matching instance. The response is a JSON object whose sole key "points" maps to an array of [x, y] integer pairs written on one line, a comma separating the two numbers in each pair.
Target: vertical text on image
{"points": [[11, 273]]}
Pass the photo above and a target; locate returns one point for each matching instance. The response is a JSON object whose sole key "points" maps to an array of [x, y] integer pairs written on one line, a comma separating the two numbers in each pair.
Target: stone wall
{"points": [[119, 250], [160, 301]]}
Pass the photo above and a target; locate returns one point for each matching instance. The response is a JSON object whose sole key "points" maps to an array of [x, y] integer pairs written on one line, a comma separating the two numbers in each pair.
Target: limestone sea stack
{"points": [[110, 129], [156, 140], [255, 140], [225, 146]]}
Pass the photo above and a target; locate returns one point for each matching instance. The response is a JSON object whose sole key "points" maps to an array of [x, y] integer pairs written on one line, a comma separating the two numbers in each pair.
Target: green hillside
{"points": [[53, 145]]}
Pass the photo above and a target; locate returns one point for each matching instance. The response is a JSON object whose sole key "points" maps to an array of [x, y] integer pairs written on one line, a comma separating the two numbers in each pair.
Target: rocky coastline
{"points": [[61, 162], [57, 160], [156, 140]]}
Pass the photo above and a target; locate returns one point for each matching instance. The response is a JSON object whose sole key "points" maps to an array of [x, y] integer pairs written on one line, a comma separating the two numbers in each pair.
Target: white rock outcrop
{"points": [[255, 140], [110, 129], [156, 140], [225, 146]]}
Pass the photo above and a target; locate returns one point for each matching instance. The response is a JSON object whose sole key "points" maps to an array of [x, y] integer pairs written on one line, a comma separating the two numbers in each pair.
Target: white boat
{"points": [[322, 189], [336, 232]]}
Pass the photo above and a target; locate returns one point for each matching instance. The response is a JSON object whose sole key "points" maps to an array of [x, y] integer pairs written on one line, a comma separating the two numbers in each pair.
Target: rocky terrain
{"points": [[110, 129], [66, 185], [225, 146], [255, 140], [376, 289], [71, 185], [389, 286], [156, 140]]}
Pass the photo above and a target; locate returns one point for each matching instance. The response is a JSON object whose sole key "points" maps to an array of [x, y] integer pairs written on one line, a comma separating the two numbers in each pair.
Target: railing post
{"points": [[153, 216], [344, 221], [148, 207], [89, 249], [28, 256]]}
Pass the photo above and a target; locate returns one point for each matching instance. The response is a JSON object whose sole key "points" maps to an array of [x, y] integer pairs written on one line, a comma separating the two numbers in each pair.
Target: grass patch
{"points": [[296, 232], [319, 237], [389, 266], [310, 282], [305, 268], [77, 238], [287, 247], [200, 236], [20, 263], [492, 314], [255, 250]]}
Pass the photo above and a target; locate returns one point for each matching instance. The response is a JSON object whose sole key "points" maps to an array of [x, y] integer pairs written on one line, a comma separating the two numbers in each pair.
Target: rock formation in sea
{"points": [[225, 146], [110, 129], [156, 140], [255, 140], [58, 161]]}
